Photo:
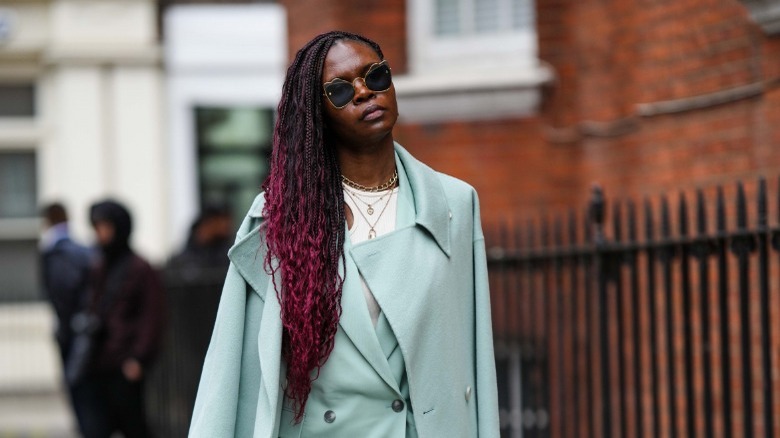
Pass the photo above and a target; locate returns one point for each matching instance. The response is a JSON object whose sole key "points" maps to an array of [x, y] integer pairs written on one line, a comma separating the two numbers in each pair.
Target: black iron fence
{"points": [[193, 294], [661, 321]]}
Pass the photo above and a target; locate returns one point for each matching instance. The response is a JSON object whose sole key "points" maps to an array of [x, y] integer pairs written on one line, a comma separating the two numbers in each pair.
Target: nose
{"points": [[362, 92]]}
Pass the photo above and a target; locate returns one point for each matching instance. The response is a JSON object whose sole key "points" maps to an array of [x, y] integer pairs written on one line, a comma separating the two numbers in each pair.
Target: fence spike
{"points": [[518, 235], [683, 215], [617, 226], [596, 213], [545, 231], [701, 213], [721, 210], [572, 227], [531, 241], [762, 207], [649, 231], [631, 221], [503, 231], [558, 233], [741, 207], [666, 224]]}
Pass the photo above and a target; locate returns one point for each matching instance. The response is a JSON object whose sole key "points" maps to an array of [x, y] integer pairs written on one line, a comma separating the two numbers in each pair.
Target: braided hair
{"points": [[304, 213]]}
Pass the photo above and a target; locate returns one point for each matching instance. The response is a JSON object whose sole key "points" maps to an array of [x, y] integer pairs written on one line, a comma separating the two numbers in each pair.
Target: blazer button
{"points": [[468, 393], [398, 405], [330, 416]]}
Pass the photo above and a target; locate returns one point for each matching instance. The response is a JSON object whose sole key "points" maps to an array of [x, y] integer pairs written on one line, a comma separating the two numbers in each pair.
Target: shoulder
{"points": [[456, 187]]}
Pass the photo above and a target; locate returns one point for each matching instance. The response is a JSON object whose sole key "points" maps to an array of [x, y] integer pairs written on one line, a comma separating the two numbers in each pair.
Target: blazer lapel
{"points": [[391, 264], [356, 323], [404, 289]]}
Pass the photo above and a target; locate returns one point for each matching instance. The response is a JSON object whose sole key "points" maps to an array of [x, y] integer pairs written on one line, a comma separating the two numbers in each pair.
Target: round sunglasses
{"points": [[340, 92]]}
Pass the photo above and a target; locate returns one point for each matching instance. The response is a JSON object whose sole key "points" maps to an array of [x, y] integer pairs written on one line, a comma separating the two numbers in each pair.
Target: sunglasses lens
{"points": [[339, 93], [379, 79]]}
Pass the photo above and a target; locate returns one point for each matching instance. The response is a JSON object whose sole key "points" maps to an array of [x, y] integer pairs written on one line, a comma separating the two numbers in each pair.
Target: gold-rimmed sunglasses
{"points": [[377, 78]]}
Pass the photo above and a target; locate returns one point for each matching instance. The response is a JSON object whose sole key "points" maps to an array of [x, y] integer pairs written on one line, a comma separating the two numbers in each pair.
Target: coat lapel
{"points": [[356, 323], [391, 264]]}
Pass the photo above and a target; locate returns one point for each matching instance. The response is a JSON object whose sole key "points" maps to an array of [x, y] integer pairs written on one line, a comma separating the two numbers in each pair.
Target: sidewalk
{"points": [[32, 403], [35, 415]]}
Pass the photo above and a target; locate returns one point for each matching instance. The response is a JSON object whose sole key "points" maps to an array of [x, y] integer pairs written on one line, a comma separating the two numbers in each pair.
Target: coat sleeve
{"points": [[487, 388], [224, 392]]}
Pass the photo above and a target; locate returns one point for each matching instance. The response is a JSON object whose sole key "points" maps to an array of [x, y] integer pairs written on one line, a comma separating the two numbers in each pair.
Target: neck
{"points": [[368, 166]]}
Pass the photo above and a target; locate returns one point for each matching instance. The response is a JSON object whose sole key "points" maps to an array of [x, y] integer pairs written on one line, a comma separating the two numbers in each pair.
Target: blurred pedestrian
{"points": [[127, 297], [357, 302], [210, 237], [193, 283], [65, 269]]}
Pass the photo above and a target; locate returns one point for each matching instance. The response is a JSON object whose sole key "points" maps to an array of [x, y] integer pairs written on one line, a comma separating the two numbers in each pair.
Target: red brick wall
{"points": [[382, 21], [614, 55], [504, 160]]}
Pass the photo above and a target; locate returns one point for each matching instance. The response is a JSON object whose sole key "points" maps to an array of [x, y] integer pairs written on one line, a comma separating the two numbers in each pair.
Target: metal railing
{"points": [[659, 324]]}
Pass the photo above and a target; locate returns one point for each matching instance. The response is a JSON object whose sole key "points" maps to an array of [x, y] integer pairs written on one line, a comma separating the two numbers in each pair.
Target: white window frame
{"points": [[468, 77], [470, 50]]}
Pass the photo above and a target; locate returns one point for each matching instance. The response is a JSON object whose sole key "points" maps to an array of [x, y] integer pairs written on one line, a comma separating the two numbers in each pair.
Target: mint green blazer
{"points": [[427, 367]]}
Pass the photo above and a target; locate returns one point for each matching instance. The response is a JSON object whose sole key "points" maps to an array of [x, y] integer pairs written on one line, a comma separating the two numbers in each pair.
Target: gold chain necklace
{"points": [[370, 205], [371, 231], [381, 187]]}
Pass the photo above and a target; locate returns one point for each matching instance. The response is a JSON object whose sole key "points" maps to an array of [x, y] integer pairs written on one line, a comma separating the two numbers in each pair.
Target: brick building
{"points": [[642, 98]]}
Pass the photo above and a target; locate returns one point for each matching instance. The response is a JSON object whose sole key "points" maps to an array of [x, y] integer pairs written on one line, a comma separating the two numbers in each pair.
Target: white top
{"points": [[373, 214]]}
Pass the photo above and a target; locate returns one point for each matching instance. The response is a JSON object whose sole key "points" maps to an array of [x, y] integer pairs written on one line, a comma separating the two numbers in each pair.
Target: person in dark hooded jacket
{"points": [[127, 295]]}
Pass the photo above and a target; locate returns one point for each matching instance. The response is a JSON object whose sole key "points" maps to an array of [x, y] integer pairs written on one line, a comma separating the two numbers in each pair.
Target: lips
{"points": [[372, 112]]}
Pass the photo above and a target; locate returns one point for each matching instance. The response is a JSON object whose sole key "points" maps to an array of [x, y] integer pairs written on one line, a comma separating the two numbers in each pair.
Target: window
{"points": [[18, 227], [464, 17], [471, 59], [17, 185], [472, 34], [234, 147], [17, 100]]}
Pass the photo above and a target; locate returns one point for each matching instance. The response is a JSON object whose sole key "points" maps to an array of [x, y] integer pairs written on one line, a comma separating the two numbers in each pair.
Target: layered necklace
{"points": [[380, 188], [370, 197]]}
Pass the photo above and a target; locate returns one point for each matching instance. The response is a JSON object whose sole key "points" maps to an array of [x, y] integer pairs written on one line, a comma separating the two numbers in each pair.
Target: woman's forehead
{"points": [[348, 57]]}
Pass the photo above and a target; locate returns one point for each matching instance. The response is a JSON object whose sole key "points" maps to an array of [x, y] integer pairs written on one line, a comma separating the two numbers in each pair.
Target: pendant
{"points": [[370, 210], [371, 233]]}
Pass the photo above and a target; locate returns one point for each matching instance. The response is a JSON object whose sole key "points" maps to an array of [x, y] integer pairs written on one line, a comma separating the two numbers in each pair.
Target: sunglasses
{"points": [[340, 92]]}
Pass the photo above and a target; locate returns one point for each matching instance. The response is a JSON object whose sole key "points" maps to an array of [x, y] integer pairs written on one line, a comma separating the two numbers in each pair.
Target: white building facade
{"points": [[93, 105]]}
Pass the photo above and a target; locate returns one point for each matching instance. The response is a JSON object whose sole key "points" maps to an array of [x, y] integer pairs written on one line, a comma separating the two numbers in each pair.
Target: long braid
{"points": [[304, 212]]}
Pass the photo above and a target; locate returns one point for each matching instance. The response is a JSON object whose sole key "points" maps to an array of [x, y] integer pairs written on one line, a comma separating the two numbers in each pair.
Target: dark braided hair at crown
{"points": [[304, 213]]}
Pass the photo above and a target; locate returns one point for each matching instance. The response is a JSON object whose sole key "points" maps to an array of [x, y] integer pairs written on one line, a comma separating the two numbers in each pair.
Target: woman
{"points": [[356, 304]]}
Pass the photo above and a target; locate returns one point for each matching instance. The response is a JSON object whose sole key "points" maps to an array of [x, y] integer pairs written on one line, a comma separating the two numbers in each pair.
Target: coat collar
{"points": [[430, 203]]}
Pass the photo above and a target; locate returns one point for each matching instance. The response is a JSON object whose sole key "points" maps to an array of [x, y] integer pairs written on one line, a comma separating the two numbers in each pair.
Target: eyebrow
{"points": [[363, 71]]}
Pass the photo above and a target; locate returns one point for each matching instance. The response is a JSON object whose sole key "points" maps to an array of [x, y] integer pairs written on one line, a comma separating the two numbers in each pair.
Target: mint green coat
{"points": [[429, 277]]}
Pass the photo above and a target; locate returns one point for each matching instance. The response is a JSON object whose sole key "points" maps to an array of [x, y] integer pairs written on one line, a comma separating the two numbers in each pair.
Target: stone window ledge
{"points": [[765, 13], [471, 95]]}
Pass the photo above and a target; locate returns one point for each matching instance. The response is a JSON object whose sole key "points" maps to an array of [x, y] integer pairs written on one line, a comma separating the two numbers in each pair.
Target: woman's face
{"points": [[370, 115]]}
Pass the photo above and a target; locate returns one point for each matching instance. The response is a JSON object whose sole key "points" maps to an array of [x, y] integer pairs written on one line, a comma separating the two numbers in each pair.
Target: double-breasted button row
{"points": [[398, 405]]}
